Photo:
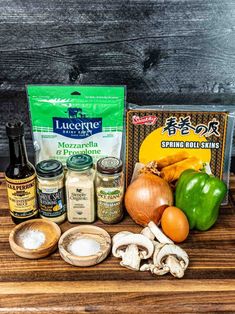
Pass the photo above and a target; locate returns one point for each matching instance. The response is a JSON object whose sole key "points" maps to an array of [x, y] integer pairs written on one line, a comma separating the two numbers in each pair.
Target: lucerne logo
{"points": [[77, 125]]}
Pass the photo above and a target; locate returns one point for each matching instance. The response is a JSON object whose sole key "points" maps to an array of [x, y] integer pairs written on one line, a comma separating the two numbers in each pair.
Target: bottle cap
{"points": [[79, 162], [109, 165], [15, 128], [49, 168]]}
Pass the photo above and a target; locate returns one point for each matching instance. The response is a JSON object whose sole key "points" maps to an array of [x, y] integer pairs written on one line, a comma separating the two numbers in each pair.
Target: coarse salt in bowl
{"points": [[34, 238]]}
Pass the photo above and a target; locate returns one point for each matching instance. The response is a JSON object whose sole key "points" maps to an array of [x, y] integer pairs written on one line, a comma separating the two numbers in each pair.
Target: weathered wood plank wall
{"points": [[165, 51]]}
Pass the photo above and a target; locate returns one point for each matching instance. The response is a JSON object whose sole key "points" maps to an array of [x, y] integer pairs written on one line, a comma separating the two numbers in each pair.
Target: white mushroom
{"points": [[167, 256], [132, 248], [148, 233], [163, 256], [174, 266], [160, 236], [172, 249], [174, 257], [120, 234], [150, 265]]}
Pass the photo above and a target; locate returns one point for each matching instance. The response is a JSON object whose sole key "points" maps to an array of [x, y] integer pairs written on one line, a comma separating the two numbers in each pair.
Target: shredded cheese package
{"points": [[177, 138], [68, 120]]}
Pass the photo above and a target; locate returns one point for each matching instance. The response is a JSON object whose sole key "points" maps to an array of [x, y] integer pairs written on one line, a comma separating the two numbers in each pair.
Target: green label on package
{"points": [[68, 120]]}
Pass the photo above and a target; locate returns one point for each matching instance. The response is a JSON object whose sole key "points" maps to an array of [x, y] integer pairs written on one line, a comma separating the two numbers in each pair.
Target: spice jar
{"points": [[109, 189], [80, 189], [51, 190]]}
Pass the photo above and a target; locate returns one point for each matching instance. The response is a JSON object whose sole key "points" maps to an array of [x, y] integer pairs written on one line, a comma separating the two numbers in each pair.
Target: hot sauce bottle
{"points": [[20, 176]]}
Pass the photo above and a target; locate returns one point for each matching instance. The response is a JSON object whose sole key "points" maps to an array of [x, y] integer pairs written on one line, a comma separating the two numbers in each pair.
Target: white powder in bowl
{"points": [[32, 239], [84, 247]]}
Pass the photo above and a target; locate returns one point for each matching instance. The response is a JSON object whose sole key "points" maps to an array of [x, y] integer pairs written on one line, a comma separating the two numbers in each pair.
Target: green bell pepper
{"points": [[199, 196]]}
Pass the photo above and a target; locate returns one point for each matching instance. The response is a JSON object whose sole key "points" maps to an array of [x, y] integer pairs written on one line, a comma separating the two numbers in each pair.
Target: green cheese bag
{"points": [[69, 120]]}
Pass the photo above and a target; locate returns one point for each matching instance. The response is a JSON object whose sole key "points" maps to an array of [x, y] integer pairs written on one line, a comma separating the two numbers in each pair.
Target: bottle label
{"points": [[110, 195], [51, 201], [109, 201], [22, 196], [80, 203]]}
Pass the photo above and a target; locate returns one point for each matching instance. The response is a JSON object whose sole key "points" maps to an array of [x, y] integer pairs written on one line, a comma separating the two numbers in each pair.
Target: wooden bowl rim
{"points": [[88, 258], [17, 248]]}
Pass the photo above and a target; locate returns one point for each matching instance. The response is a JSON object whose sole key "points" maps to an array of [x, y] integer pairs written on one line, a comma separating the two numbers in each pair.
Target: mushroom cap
{"points": [[145, 245], [171, 249], [157, 247], [119, 235]]}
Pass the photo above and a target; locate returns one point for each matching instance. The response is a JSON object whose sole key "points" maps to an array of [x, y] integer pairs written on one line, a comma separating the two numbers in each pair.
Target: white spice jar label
{"points": [[49, 190], [80, 204]]}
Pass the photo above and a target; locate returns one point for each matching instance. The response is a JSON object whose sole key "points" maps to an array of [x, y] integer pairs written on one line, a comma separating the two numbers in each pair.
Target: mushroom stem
{"points": [[174, 266], [148, 233], [160, 271], [158, 233], [132, 248], [131, 258], [150, 265]]}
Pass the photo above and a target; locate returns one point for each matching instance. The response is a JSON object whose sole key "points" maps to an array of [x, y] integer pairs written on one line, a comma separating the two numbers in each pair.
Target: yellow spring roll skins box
{"points": [[176, 141]]}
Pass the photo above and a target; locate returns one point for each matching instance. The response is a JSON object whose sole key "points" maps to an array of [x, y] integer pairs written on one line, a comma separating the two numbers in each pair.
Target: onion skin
{"points": [[147, 197]]}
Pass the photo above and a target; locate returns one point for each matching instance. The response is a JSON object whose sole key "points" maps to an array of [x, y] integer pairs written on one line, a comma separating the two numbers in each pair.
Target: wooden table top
{"points": [[51, 286]]}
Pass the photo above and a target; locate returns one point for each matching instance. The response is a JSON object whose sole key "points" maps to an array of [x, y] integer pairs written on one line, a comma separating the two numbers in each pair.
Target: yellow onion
{"points": [[147, 197]]}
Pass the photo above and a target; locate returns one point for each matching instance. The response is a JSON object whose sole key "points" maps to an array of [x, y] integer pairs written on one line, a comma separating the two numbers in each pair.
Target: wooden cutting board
{"points": [[51, 286]]}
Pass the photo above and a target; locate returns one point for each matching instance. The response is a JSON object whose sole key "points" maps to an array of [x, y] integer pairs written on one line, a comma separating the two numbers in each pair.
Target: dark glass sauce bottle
{"points": [[20, 176]]}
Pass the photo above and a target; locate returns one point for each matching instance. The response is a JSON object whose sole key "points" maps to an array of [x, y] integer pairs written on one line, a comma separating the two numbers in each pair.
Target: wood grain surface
{"points": [[174, 51], [50, 285]]}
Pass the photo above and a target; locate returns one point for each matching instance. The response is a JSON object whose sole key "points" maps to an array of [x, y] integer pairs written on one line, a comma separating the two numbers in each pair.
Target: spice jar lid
{"points": [[80, 162], [109, 165], [49, 168]]}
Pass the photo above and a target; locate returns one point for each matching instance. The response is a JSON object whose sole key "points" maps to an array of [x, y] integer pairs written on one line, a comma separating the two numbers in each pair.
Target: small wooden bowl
{"points": [[52, 234], [88, 232]]}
